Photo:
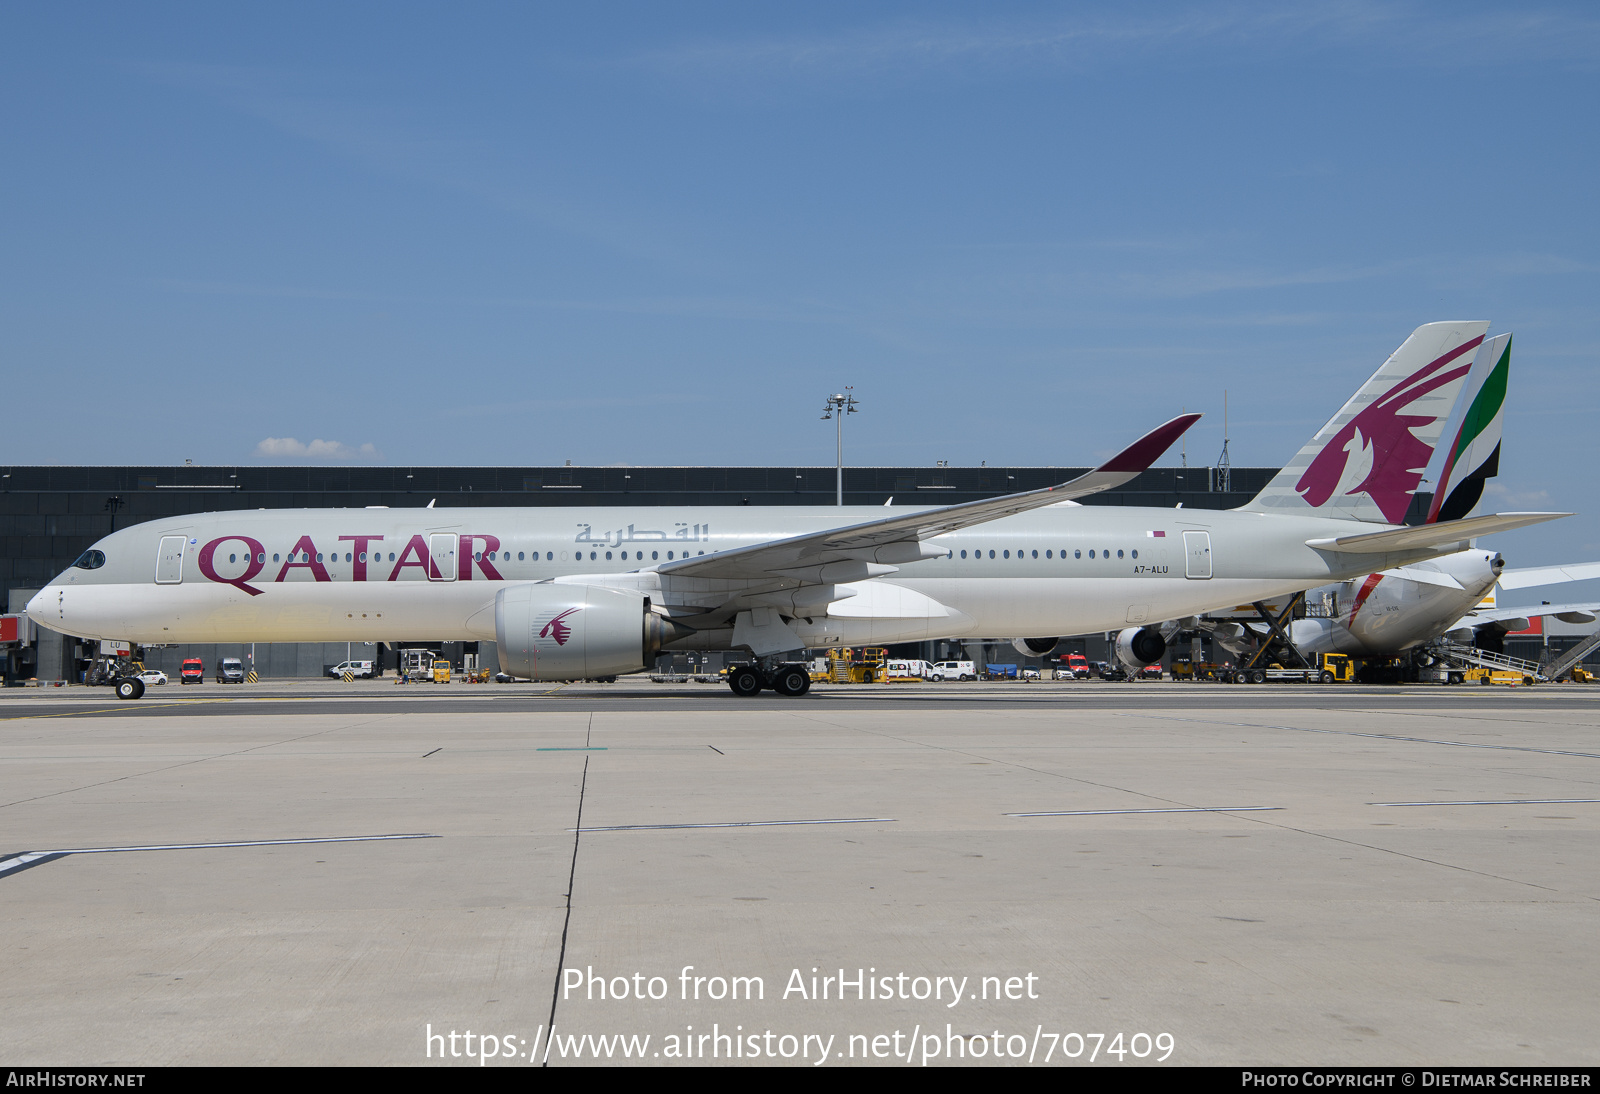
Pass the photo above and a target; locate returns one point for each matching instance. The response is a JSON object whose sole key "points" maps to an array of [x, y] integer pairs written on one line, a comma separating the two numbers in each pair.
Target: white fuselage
{"points": [[404, 574], [1381, 615]]}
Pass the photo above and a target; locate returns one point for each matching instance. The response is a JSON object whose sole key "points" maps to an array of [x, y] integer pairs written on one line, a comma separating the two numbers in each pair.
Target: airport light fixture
{"points": [[836, 407]]}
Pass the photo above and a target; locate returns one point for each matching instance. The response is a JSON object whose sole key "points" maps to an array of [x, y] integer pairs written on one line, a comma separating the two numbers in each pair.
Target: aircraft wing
{"points": [[1429, 535], [1567, 613], [1528, 577], [855, 552]]}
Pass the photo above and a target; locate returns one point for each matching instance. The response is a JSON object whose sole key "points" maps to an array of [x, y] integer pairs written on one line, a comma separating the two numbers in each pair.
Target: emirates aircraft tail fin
{"points": [[1474, 453]]}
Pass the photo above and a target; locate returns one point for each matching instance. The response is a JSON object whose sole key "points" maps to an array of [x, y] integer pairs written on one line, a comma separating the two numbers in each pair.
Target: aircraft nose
{"points": [[42, 608]]}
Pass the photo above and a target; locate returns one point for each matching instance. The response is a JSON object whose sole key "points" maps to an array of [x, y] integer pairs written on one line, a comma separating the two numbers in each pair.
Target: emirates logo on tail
{"points": [[1376, 452], [558, 630]]}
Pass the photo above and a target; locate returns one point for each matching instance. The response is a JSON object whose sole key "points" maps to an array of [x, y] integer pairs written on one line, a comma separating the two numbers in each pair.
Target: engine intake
{"points": [[577, 632], [1034, 647], [1140, 646]]}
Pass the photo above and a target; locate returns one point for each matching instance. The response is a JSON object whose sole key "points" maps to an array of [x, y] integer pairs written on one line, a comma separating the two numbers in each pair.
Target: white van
{"points": [[361, 669], [953, 670]]}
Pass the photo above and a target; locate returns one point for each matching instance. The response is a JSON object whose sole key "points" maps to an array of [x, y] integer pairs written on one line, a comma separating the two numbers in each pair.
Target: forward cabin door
{"points": [[442, 556], [169, 561], [1197, 554]]}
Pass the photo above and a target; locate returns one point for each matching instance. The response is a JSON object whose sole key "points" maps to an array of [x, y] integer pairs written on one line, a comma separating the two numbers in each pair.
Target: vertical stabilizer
{"points": [[1474, 454], [1365, 464]]}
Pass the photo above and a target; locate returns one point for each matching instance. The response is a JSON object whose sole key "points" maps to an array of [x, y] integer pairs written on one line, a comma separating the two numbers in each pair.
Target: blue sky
{"points": [[661, 234]]}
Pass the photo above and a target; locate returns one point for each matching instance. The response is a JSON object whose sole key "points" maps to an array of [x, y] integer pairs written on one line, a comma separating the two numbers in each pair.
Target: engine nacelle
{"points": [[1140, 646], [576, 632], [1034, 647]]}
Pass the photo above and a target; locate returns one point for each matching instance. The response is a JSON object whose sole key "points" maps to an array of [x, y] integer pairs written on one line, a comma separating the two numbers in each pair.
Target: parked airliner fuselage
{"points": [[576, 593], [1384, 614], [397, 574]]}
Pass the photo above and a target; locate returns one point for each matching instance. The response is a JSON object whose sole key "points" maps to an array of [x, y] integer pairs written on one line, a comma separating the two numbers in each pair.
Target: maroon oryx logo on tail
{"points": [[557, 629], [1388, 459]]}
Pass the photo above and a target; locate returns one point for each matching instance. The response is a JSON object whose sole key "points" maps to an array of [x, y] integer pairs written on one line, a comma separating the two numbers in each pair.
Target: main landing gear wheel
{"points": [[791, 681], [130, 688], [745, 681]]}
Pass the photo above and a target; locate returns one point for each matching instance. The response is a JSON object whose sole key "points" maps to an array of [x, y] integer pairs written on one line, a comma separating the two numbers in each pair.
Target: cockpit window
{"points": [[91, 560]]}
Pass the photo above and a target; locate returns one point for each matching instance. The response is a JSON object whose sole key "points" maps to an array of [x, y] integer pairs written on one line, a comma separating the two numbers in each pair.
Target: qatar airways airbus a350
{"points": [[575, 593]]}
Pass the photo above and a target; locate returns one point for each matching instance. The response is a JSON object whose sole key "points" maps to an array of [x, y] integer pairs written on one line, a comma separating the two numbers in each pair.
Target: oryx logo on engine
{"points": [[557, 629]]}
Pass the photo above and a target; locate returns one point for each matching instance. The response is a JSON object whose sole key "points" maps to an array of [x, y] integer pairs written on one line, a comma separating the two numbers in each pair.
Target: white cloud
{"points": [[288, 448]]}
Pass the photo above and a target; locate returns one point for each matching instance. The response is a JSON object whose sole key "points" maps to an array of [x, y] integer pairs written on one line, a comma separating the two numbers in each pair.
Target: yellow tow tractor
{"points": [[441, 672], [1326, 668], [866, 665]]}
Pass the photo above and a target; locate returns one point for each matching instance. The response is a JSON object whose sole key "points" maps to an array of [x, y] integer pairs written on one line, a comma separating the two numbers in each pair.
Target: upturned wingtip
{"points": [[1147, 449]]}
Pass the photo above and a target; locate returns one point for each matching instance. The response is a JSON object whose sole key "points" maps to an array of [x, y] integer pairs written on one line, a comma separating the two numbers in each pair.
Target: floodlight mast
{"points": [[836, 407]]}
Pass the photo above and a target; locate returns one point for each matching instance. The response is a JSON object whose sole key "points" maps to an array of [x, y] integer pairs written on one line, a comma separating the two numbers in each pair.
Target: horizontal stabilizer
{"points": [[1426, 577], [1519, 618], [1426, 536], [1531, 576]]}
